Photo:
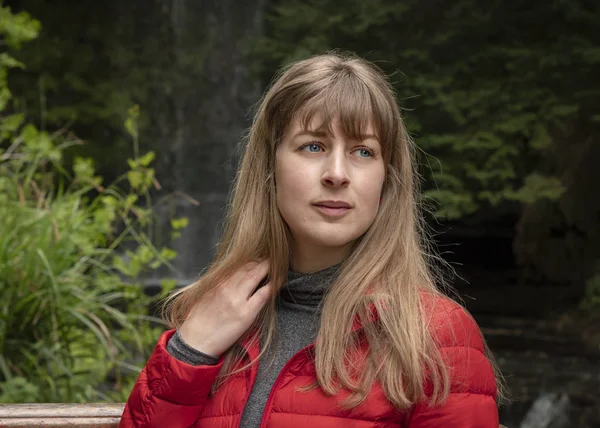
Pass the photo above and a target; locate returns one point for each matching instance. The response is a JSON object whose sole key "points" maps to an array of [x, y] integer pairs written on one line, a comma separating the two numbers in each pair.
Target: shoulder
{"points": [[449, 323], [461, 345]]}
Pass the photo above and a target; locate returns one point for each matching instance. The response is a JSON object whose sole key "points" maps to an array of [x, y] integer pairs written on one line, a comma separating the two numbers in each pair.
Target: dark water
{"points": [[553, 376]]}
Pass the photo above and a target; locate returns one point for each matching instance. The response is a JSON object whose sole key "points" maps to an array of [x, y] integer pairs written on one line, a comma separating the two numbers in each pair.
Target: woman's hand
{"points": [[218, 320]]}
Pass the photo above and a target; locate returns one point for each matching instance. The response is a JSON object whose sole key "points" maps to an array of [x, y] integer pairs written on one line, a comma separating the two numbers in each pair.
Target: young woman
{"points": [[321, 308]]}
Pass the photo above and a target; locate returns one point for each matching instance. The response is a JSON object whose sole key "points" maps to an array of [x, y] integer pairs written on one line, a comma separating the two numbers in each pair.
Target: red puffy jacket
{"points": [[171, 393]]}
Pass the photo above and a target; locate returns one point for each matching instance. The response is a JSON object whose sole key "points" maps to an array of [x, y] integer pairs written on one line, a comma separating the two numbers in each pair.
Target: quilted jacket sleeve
{"points": [[472, 399], [168, 392]]}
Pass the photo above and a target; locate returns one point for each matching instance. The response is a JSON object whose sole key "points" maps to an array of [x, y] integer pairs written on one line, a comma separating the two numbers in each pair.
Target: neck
{"points": [[312, 259]]}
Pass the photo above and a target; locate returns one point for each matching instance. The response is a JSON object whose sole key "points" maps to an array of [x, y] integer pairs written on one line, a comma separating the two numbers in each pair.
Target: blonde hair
{"points": [[389, 267]]}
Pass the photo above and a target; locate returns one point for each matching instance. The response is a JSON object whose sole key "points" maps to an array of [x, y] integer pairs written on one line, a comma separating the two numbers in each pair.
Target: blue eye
{"points": [[313, 148], [364, 153]]}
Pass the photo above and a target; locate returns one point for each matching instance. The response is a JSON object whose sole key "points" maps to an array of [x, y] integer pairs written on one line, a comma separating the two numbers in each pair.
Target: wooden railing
{"points": [[61, 415]]}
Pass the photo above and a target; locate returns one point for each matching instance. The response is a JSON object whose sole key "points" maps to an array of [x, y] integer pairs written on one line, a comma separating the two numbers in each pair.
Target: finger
{"points": [[251, 281], [260, 297], [242, 272]]}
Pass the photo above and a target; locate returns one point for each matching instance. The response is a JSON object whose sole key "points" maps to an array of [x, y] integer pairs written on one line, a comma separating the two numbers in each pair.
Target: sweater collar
{"points": [[308, 289]]}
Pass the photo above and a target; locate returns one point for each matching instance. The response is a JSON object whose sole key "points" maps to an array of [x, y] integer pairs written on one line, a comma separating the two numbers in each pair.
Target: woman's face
{"points": [[328, 188]]}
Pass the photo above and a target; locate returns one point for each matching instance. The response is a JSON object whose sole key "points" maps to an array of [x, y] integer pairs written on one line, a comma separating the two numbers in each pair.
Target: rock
{"points": [[548, 411]]}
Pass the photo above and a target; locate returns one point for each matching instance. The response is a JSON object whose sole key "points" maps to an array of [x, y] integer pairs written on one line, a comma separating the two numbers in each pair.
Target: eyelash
{"points": [[371, 151]]}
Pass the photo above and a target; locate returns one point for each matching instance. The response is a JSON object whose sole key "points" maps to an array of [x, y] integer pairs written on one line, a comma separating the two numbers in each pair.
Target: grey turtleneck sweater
{"points": [[298, 313]]}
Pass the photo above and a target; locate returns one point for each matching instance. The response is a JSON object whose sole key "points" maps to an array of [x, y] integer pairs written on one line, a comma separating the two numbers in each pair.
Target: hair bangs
{"points": [[357, 107]]}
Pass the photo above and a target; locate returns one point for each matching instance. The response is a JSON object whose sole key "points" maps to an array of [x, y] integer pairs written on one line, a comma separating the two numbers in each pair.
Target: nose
{"points": [[335, 173]]}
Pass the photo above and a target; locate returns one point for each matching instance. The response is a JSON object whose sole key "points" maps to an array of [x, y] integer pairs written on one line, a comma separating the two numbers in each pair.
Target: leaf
{"points": [[565, 110], [132, 163], [131, 123], [120, 265], [10, 124], [146, 159], [135, 179], [131, 127], [541, 139], [168, 285], [537, 187], [130, 200], [17, 28], [18, 390], [5, 95], [179, 223], [83, 168], [144, 254], [168, 253], [30, 134], [148, 177], [452, 205], [7, 61]]}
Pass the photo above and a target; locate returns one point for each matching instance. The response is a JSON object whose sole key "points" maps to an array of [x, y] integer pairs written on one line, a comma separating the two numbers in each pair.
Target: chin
{"points": [[334, 239]]}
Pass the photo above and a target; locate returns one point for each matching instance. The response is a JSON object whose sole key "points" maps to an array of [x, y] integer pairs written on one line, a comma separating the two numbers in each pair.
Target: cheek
{"points": [[289, 185], [371, 190], [288, 182]]}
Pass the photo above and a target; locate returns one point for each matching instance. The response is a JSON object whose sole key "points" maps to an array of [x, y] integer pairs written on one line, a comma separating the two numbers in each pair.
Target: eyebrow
{"points": [[323, 134]]}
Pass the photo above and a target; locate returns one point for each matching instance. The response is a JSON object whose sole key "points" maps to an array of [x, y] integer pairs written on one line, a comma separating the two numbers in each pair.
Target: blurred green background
{"points": [[119, 129]]}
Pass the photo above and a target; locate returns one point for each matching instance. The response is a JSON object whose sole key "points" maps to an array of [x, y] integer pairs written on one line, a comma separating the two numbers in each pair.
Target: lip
{"points": [[333, 204], [333, 208]]}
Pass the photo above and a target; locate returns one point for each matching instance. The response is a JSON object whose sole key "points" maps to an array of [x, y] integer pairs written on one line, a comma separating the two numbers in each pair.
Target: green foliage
{"points": [[93, 60], [17, 28], [538, 187], [71, 307], [14, 29], [73, 314], [485, 87]]}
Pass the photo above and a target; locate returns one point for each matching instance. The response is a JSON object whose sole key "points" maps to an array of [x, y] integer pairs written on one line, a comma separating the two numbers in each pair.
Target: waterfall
{"points": [[201, 117]]}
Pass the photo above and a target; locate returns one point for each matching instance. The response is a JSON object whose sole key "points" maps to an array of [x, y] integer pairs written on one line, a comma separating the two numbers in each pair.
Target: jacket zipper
{"points": [[267, 410]]}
